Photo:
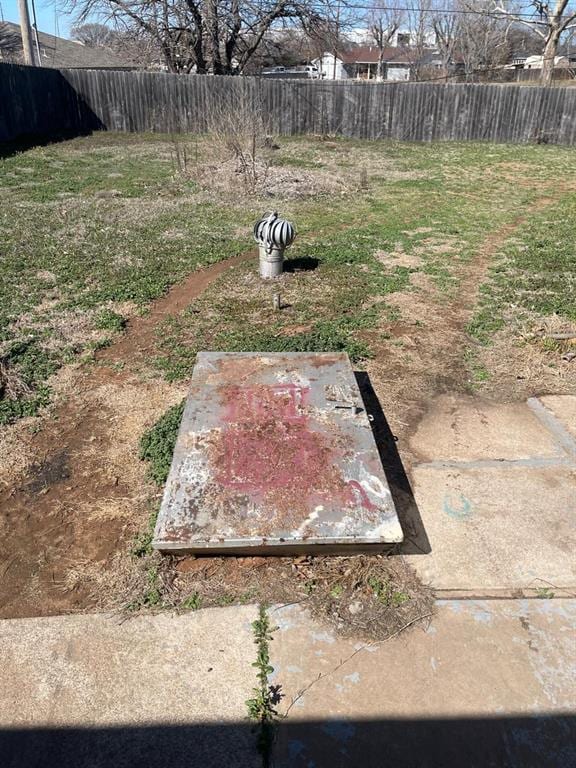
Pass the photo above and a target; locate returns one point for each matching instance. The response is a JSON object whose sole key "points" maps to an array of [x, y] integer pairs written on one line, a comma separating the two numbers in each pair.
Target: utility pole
{"points": [[35, 27], [25, 32]]}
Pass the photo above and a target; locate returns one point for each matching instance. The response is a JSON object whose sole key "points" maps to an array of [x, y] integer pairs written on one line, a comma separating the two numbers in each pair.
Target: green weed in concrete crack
{"points": [[261, 705], [157, 444]]}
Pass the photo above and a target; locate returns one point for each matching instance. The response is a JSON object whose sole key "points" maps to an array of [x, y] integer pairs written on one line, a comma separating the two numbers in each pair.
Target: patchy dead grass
{"points": [[369, 596], [16, 452], [522, 360], [386, 200], [366, 596], [225, 177]]}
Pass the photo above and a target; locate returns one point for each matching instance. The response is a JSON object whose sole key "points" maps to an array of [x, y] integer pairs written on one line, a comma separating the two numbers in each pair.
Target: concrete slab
{"points": [[459, 428], [275, 454], [488, 683], [497, 528], [94, 691], [563, 408]]}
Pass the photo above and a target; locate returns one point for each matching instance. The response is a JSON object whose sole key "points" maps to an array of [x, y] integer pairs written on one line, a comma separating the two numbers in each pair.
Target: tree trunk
{"points": [[379, 68], [549, 55], [212, 26]]}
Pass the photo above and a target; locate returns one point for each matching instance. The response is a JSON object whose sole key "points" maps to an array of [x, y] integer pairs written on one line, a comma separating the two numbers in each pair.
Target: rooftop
{"points": [[57, 52]]}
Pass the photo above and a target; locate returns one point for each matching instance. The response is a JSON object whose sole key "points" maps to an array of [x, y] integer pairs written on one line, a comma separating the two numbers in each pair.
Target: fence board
{"points": [[45, 102]]}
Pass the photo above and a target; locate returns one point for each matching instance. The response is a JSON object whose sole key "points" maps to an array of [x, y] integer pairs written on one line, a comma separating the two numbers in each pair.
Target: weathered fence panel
{"points": [[46, 102]]}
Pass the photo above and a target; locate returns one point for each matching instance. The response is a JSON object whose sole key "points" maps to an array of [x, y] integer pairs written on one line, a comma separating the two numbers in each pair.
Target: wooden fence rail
{"points": [[45, 102]]}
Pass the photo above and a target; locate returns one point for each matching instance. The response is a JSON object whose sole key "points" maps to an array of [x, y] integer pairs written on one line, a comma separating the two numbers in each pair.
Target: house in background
{"points": [[361, 63], [57, 52], [535, 62]]}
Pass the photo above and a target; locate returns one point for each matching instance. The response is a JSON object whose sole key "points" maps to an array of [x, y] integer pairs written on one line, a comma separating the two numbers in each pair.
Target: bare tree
{"points": [[445, 27], [419, 20], [482, 40], [383, 23], [215, 36], [93, 35], [548, 21]]}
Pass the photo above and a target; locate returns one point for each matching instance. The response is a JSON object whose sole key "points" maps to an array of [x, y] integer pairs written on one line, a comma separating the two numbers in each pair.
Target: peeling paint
{"points": [[255, 466]]}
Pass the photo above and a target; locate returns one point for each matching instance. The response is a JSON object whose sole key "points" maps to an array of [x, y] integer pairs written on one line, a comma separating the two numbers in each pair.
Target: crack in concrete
{"points": [[534, 463], [553, 425]]}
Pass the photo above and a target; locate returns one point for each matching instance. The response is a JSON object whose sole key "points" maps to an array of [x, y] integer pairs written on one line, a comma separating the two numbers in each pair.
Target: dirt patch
{"points": [[398, 258], [273, 181], [80, 494], [427, 353], [524, 360], [74, 491]]}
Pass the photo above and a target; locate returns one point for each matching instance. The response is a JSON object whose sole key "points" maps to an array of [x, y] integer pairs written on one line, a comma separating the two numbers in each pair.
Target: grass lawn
{"points": [[95, 228], [436, 267]]}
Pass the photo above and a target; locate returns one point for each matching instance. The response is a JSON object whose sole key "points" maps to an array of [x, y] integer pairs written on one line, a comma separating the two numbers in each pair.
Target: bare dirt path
{"points": [[84, 495], [428, 356]]}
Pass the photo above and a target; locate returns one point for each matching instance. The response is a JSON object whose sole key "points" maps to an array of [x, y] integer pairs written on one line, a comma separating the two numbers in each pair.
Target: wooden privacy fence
{"points": [[44, 102]]}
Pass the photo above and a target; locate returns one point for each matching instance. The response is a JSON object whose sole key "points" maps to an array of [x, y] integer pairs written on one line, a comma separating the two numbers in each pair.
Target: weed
{"points": [[94, 346], [325, 336], [192, 603], [142, 545], [108, 320], [478, 371], [386, 594], [157, 444], [309, 587], [152, 597], [23, 367], [261, 705], [544, 593], [225, 599]]}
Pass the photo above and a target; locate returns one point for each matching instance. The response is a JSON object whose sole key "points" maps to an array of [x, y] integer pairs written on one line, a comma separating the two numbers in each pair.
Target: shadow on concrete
{"points": [[416, 541], [499, 742]]}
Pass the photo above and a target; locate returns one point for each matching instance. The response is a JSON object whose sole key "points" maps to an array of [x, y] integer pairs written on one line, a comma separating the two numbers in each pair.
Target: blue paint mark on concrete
{"points": [[457, 506], [481, 612], [340, 730], [456, 606], [293, 668], [558, 608], [322, 637], [353, 678]]}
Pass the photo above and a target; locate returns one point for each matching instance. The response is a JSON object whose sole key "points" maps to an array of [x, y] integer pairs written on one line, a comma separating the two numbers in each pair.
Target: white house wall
{"points": [[327, 70]]}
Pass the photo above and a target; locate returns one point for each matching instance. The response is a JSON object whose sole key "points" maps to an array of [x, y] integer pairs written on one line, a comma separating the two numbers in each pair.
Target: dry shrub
{"points": [[239, 136]]}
